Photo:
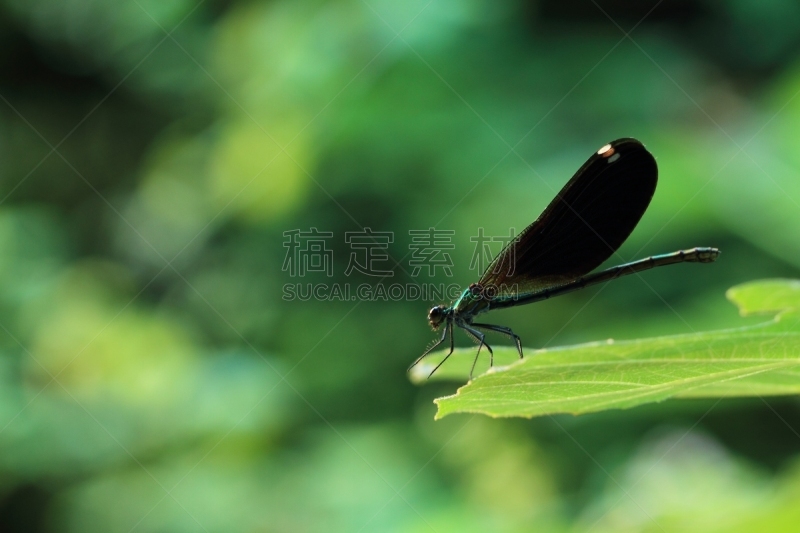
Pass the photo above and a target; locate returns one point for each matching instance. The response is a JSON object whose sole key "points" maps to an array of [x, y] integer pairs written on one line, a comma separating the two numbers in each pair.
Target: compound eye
{"points": [[436, 316]]}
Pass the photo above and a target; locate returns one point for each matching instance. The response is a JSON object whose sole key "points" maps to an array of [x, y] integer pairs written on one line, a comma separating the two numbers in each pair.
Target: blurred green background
{"points": [[153, 154]]}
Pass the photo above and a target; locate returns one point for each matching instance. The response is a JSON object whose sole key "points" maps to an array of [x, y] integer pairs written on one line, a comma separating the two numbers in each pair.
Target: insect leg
{"points": [[447, 326], [450, 327], [481, 338], [505, 331]]}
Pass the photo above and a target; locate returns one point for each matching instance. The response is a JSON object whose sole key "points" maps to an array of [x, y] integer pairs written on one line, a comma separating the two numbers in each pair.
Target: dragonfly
{"points": [[587, 221]]}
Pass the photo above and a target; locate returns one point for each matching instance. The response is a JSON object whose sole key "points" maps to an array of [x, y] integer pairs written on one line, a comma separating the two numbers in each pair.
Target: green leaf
{"points": [[756, 360], [766, 296]]}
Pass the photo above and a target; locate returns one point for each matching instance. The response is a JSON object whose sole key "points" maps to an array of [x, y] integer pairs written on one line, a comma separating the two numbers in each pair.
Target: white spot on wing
{"points": [[605, 149]]}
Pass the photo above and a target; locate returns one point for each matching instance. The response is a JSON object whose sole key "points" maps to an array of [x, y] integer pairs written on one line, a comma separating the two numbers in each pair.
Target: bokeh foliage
{"points": [[152, 376]]}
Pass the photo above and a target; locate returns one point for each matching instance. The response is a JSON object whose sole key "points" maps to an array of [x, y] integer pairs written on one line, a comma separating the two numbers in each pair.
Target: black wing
{"points": [[584, 224]]}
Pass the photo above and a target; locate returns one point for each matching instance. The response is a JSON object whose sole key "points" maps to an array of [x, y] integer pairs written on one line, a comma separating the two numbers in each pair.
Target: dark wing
{"points": [[584, 224]]}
